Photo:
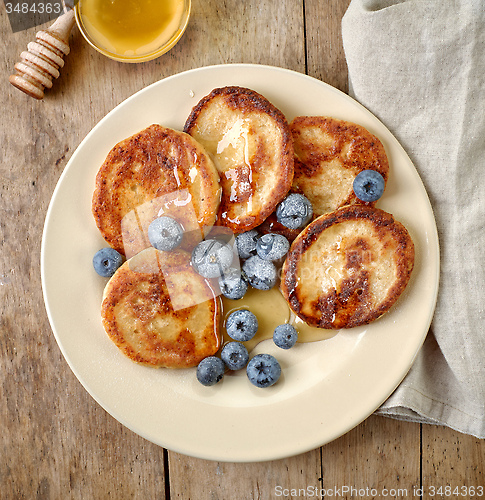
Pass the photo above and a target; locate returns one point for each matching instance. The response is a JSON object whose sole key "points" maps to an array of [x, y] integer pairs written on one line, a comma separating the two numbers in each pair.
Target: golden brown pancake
{"points": [[143, 175], [249, 140], [160, 312], [329, 155], [348, 267]]}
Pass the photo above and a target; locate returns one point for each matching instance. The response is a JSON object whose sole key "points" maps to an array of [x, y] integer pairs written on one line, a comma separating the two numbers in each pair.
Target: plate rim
{"points": [[181, 449]]}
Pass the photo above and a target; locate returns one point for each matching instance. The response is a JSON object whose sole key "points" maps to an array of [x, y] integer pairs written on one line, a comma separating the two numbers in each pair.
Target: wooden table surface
{"points": [[55, 440]]}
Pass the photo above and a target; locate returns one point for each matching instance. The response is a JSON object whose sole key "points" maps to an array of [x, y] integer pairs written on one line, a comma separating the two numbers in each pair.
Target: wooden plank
{"points": [[235, 481], [453, 464], [325, 53], [378, 456], [56, 441], [265, 33], [247, 32]]}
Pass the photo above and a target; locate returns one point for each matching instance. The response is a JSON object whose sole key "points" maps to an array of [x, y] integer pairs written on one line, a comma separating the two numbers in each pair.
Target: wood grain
{"points": [[380, 454], [56, 442], [227, 481], [325, 53], [454, 460]]}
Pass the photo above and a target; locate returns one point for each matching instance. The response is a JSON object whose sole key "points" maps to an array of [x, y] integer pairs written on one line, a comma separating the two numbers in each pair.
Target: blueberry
{"points": [[241, 325], [235, 355], [263, 370], [165, 233], [285, 336], [246, 243], [233, 284], [210, 370], [272, 246], [106, 261], [294, 211], [369, 185], [260, 273], [212, 258]]}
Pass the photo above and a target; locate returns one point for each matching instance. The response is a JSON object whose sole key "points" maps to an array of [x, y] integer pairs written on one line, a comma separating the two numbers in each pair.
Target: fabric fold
{"points": [[419, 66]]}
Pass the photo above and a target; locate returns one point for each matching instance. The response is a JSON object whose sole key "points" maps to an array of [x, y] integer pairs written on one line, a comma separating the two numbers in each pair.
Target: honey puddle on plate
{"points": [[271, 310]]}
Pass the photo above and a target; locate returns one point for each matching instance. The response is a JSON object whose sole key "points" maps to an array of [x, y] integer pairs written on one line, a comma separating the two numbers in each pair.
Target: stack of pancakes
{"points": [[235, 161]]}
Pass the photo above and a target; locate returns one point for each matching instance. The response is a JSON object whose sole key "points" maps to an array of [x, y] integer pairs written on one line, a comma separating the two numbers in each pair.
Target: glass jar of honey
{"points": [[132, 30]]}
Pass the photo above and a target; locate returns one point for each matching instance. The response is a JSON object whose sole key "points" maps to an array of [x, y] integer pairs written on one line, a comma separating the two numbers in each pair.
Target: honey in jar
{"points": [[132, 30]]}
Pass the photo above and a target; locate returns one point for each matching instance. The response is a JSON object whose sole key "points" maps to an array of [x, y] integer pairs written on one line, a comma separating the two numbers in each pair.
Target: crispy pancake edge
{"points": [[382, 221], [337, 126], [125, 280], [106, 200]]}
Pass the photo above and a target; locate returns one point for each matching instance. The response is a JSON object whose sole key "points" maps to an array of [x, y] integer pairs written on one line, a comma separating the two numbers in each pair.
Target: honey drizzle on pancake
{"points": [[241, 189]]}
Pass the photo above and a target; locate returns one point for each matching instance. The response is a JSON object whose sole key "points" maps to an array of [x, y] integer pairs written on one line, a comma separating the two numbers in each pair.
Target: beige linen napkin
{"points": [[419, 66]]}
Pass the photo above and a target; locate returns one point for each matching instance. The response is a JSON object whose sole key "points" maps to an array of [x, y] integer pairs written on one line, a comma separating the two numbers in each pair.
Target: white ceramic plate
{"points": [[326, 388]]}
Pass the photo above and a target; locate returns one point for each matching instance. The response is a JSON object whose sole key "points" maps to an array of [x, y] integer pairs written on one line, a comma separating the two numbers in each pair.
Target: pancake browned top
{"points": [[157, 171], [250, 143], [348, 267], [160, 312], [329, 155]]}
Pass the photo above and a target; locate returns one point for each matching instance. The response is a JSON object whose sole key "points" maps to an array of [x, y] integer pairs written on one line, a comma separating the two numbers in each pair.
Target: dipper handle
{"points": [[41, 62]]}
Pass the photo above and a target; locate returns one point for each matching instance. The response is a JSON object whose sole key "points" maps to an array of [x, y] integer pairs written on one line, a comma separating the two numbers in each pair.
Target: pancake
{"points": [[160, 312], [347, 268], [159, 171], [250, 142], [329, 155]]}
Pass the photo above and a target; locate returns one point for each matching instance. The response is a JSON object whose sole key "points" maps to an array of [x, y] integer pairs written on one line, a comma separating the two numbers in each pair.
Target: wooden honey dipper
{"points": [[41, 62]]}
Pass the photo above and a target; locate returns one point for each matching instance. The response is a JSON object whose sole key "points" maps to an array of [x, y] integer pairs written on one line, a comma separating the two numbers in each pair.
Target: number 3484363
{"points": [[33, 8]]}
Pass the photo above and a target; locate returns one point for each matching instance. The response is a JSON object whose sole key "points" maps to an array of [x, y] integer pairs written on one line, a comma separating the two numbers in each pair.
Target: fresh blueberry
{"points": [[241, 325], [369, 185], [285, 336], [165, 233], [294, 211], [263, 370], [233, 284], [246, 243], [235, 355], [210, 370], [106, 261], [212, 258], [272, 246], [260, 273]]}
